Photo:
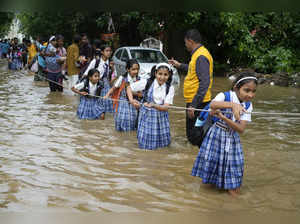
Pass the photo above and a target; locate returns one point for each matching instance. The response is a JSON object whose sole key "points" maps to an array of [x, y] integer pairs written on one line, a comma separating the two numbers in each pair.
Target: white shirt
{"points": [[120, 79], [159, 91], [234, 98], [100, 67], [92, 87]]}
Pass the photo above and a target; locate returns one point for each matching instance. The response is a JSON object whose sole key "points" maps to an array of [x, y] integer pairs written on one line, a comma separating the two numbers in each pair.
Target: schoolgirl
{"points": [[89, 106], [220, 160], [125, 113], [15, 58], [153, 123], [105, 67]]}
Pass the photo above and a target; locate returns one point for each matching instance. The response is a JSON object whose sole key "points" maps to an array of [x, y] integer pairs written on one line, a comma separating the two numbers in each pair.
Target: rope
{"points": [[182, 108]]}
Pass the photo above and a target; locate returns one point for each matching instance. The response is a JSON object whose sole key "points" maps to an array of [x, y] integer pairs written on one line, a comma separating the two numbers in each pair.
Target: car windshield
{"points": [[148, 56]]}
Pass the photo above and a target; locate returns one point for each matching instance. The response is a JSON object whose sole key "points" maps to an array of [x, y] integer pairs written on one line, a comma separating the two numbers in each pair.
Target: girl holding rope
{"points": [[220, 160], [126, 114], [90, 107], [153, 123]]}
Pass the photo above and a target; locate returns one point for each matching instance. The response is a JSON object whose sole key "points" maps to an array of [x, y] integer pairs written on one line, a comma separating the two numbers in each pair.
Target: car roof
{"points": [[138, 48]]}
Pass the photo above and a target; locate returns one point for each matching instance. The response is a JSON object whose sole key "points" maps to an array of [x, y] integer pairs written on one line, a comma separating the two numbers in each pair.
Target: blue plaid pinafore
{"points": [[153, 126], [126, 116], [220, 160], [107, 103], [90, 108]]}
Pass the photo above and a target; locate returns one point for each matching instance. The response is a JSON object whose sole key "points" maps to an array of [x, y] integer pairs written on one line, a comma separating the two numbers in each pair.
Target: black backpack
{"points": [[82, 71]]}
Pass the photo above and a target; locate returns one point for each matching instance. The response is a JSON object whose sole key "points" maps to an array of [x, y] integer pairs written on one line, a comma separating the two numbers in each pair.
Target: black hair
{"points": [[83, 35], [59, 37], [243, 82], [92, 72], [152, 76], [103, 46], [129, 64], [97, 43], [194, 35], [76, 38]]}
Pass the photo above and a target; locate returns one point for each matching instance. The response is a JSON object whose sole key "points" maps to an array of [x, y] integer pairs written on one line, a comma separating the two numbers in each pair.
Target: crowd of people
{"points": [[141, 105]]}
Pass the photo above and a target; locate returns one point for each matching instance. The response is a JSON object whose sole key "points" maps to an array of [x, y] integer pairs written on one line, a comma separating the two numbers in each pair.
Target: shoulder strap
{"points": [[148, 85], [97, 63], [227, 96], [167, 89]]}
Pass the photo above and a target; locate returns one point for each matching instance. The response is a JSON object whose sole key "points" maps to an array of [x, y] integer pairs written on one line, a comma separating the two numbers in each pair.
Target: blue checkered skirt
{"points": [[220, 160], [107, 103], [89, 108], [126, 116], [16, 64], [153, 128]]}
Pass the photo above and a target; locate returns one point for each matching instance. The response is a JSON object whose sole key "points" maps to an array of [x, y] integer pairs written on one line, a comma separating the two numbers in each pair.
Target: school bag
{"points": [[100, 86], [205, 121], [81, 77]]}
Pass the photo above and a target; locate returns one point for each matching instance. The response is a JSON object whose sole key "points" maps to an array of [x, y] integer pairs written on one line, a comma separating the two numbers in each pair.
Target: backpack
{"points": [[205, 121], [81, 77], [100, 86]]}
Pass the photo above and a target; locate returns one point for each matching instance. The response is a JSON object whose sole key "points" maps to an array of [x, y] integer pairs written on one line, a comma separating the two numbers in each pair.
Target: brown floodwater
{"points": [[51, 161]]}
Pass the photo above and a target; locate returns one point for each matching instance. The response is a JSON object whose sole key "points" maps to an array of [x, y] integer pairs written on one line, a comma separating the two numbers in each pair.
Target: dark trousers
{"points": [[55, 77], [191, 122]]}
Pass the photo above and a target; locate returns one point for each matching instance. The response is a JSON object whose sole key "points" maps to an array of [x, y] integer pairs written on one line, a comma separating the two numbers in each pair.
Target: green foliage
{"points": [[265, 41], [6, 19]]}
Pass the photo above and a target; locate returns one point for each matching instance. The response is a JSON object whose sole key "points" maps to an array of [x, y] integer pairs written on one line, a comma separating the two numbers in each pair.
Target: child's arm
{"points": [[237, 109], [163, 107], [237, 126], [134, 102], [78, 92], [108, 94]]}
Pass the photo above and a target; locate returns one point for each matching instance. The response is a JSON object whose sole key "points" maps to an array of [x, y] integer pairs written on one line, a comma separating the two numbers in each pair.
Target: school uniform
{"points": [[89, 107], [16, 63], [220, 160], [126, 114], [104, 70], [153, 125]]}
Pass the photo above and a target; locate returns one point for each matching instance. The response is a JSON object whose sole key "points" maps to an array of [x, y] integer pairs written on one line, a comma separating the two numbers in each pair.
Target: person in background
{"points": [[32, 51], [198, 81], [61, 51], [73, 66], [85, 54], [54, 62]]}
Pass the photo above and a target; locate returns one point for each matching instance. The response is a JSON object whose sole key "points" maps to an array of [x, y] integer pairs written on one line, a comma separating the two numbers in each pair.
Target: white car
{"points": [[147, 58]]}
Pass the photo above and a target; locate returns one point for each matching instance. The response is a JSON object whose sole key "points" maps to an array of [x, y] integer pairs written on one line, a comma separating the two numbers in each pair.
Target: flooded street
{"points": [[51, 161]]}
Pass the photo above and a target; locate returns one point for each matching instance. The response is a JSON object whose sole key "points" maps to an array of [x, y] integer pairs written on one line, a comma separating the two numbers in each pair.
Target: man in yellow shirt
{"points": [[198, 81], [31, 52], [72, 59]]}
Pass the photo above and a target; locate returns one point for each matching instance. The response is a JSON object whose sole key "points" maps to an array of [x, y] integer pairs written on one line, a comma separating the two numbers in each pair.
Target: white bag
{"points": [[35, 67]]}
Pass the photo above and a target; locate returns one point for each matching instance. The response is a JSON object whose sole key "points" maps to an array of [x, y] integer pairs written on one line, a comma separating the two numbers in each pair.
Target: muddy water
{"points": [[51, 161]]}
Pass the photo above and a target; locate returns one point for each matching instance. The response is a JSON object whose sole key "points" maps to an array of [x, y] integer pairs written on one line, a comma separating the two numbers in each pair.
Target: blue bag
{"points": [[205, 121]]}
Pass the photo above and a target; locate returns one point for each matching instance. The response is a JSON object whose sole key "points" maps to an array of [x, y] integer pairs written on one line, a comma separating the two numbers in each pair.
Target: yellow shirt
{"points": [[191, 81], [31, 52], [72, 57]]}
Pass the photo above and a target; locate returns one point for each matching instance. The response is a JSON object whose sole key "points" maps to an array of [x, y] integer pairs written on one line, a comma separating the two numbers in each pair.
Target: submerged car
{"points": [[147, 58]]}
